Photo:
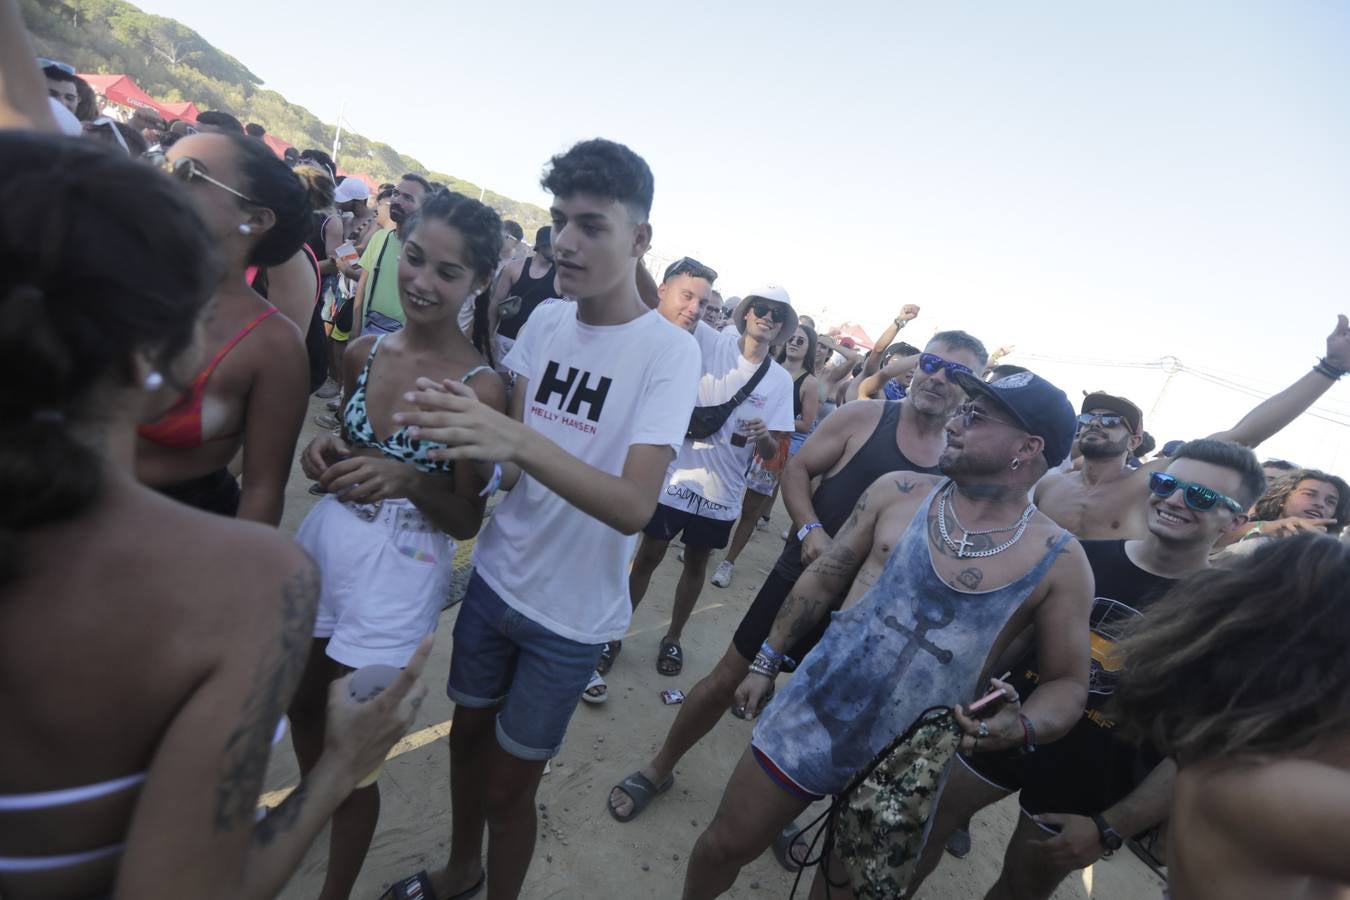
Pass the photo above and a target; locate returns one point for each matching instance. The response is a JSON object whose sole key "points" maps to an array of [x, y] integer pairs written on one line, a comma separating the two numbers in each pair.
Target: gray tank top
{"points": [[911, 642]]}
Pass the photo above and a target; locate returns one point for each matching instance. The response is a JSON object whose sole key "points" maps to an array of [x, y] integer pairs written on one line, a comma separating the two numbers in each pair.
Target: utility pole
{"points": [[337, 136], [1171, 365]]}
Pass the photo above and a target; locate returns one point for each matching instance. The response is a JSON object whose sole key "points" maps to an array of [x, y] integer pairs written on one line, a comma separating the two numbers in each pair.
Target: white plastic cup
{"points": [[346, 252]]}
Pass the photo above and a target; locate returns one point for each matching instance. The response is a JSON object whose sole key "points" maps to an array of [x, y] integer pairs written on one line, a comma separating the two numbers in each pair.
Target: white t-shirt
{"points": [[713, 468], [594, 391]]}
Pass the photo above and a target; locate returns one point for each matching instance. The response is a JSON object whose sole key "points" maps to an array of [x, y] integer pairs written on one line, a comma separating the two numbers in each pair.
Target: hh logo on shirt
{"points": [[573, 391]]}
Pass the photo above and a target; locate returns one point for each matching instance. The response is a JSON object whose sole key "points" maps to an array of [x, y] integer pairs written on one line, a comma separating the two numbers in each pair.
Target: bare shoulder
{"points": [[279, 334], [489, 388]]}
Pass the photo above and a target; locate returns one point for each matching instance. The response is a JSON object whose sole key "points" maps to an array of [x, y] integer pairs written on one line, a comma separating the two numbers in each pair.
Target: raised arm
{"points": [[23, 90], [1275, 413], [870, 387], [907, 314]]}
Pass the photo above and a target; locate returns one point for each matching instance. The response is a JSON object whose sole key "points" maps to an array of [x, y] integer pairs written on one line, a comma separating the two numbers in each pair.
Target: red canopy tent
{"points": [[186, 110], [851, 330], [122, 90], [277, 145]]}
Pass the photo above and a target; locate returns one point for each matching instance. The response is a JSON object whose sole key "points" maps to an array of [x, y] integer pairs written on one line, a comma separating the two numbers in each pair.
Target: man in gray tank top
{"points": [[940, 574]]}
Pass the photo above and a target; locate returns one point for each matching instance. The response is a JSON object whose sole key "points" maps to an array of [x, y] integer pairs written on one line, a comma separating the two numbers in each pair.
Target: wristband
{"points": [[1028, 734], [899, 323], [1334, 372], [807, 529]]}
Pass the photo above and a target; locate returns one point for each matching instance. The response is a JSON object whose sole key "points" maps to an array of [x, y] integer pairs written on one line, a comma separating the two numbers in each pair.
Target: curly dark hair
{"points": [[606, 169], [103, 256], [1271, 505], [1247, 659], [481, 228]]}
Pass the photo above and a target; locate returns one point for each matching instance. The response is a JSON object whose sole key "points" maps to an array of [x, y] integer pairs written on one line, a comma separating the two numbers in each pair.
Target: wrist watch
{"points": [[1110, 838], [807, 529]]}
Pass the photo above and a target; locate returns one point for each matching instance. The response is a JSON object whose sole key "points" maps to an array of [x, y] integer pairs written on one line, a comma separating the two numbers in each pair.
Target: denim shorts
{"points": [[537, 677]]}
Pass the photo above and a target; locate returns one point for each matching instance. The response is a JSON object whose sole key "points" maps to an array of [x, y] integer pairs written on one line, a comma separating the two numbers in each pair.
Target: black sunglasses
{"points": [[931, 363], [1108, 420], [769, 311], [687, 265], [1198, 497]]}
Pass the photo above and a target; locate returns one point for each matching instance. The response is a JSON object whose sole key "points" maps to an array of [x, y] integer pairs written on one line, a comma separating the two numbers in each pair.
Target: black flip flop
{"points": [[608, 654], [641, 791], [418, 887], [670, 661]]}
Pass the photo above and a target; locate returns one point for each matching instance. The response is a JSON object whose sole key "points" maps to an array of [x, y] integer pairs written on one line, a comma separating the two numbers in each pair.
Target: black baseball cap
{"points": [[1040, 408]]}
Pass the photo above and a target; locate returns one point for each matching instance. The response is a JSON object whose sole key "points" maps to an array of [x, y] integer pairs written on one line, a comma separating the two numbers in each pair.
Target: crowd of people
{"points": [[1169, 628]]}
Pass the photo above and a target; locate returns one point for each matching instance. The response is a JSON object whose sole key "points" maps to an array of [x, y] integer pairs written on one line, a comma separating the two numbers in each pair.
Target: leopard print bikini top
{"points": [[359, 431]]}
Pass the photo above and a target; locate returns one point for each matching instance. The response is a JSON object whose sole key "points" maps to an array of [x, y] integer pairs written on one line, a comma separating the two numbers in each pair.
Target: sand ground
{"points": [[582, 851]]}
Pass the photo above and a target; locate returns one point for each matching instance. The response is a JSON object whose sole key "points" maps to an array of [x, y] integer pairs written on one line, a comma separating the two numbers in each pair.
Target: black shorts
{"points": [[216, 492], [699, 531], [754, 628], [1082, 774]]}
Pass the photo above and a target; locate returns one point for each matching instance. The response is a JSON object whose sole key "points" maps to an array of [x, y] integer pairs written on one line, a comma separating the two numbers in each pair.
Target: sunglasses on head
{"points": [[186, 169], [44, 62], [1197, 496], [687, 265], [105, 122], [931, 363], [769, 311], [1107, 420]]}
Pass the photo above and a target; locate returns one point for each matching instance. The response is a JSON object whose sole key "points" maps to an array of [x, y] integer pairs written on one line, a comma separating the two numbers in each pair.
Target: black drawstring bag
{"points": [[706, 421]]}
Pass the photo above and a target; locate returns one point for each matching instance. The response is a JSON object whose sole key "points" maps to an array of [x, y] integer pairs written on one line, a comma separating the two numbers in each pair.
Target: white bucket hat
{"points": [[774, 294]]}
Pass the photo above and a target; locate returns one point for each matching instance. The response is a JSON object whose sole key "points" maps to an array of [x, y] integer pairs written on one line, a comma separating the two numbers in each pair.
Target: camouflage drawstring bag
{"points": [[878, 822]]}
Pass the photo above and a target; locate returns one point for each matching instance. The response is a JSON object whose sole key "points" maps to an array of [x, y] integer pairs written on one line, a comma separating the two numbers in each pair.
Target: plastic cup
{"points": [[346, 251], [367, 683]]}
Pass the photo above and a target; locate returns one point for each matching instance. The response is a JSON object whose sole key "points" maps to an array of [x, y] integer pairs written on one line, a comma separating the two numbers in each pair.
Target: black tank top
{"points": [[532, 292], [797, 394], [838, 494], [315, 240]]}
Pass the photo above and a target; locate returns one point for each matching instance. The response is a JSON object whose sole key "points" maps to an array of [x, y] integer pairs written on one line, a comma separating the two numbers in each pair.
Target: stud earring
{"points": [[245, 229], [154, 381]]}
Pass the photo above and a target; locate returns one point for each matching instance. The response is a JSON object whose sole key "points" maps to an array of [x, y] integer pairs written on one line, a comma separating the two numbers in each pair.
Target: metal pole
{"points": [[337, 136]]}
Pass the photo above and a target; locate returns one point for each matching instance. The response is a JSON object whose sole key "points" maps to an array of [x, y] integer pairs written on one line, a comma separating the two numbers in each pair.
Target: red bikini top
{"points": [[180, 428]]}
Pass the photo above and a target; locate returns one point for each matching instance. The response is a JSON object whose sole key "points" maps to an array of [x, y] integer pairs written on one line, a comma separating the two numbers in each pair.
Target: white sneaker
{"points": [[787, 533], [722, 577], [679, 554]]}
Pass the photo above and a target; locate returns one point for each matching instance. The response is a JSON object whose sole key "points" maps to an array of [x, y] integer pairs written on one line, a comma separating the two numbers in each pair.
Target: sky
{"points": [[1094, 184]]}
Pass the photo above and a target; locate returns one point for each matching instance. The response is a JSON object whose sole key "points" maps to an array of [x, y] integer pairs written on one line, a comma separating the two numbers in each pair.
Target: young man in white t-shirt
{"points": [[602, 400], [704, 487]]}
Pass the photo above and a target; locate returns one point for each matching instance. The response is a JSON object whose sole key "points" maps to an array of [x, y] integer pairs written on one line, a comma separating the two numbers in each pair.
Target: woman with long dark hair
{"points": [[1241, 675], [147, 650], [252, 391], [384, 536]]}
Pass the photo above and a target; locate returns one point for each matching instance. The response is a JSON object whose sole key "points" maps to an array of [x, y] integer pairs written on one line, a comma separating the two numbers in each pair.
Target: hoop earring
{"points": [[154, 381], [1014, 464]]}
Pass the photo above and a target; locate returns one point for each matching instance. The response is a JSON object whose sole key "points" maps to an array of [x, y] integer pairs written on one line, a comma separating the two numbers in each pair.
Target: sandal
{"points": [[641, 791], [670, 661], [608, 654], [596, 689], [418, 887]]}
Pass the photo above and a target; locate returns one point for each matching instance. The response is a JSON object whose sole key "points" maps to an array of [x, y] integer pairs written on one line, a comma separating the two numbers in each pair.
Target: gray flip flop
{"points": [[641, 791]]}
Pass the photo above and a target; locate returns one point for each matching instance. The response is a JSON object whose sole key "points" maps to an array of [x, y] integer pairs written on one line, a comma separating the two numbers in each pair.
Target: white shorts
{"points": [[383, 579]]}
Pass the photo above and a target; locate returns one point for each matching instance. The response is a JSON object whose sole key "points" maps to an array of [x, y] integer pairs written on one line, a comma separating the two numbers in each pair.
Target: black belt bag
{"points": [[705, 421]]}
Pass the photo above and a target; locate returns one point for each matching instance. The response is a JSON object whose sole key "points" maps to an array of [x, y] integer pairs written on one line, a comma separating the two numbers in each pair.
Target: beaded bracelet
{"points": [[1334, 372]]}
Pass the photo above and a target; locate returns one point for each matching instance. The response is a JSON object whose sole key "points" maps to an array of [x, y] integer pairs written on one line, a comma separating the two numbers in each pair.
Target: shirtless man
{"points": [[890, 653], [1105, 500]]}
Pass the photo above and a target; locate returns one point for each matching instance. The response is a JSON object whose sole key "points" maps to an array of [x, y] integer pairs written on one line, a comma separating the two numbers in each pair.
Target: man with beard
{"points": [[849, 451], [1084, 794], [1105, 501], [940, 574], [376, 306]]}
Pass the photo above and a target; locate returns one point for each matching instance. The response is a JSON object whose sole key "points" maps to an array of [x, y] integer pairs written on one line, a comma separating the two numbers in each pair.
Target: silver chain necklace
{"points": [[960, 546]]}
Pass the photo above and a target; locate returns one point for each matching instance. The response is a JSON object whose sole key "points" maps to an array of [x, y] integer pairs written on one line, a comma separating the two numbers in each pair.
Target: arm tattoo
{"points": [[905, 486], [249, 745], [859, 508], [282, 818], [833, 573]]}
